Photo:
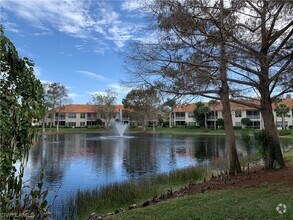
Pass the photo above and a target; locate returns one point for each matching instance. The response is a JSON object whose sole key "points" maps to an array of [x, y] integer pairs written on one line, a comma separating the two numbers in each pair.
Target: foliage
{"points": [[145, 103], [22, 99], [261, 138], [104, 106], [117, 195], [220, 51], [285, 132], [200, 114], [56, 97], [282, 111], [245, 122], [289, 155], [220, 122], [99, 122]]}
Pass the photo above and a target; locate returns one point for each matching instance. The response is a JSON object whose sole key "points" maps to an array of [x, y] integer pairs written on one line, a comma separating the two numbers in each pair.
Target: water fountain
{"points": [[120, 126]]}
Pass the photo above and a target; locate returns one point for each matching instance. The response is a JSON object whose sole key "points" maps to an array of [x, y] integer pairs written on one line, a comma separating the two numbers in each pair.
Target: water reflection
{"points": [[83, 161]]}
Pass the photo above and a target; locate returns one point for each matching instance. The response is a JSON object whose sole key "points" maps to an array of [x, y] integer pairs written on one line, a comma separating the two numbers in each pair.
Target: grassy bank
{"points": [[164, 130], [232, 203], [246, 203], [122, 195]]}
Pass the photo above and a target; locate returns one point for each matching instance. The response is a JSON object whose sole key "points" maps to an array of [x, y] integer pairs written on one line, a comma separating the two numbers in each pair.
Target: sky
{"points": [[77, 43]]}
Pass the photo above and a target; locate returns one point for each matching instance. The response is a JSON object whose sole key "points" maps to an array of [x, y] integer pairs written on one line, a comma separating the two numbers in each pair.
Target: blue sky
{"points": [[75, 42]]}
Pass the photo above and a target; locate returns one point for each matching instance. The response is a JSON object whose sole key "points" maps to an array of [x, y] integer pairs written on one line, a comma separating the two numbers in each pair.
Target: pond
{"points": [[84, 161]]}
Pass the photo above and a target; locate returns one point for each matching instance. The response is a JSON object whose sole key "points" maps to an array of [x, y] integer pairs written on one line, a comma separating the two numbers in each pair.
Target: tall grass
{"points": [[119, 195]]}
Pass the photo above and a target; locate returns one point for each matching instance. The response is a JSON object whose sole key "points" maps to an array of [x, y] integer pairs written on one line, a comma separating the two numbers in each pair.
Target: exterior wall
{"points": [[237, 116], [288, 120], [68, 119]]}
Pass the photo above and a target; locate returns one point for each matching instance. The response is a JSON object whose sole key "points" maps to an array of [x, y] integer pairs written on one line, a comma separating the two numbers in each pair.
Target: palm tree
{"points": [[282, 111], [205, 110]]}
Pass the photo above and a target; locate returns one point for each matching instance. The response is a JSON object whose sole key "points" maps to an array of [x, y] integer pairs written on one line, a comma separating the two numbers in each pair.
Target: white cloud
{"points": [[9, 26], [131, 5], [120, 89], [92, 75], [46, 82], [66, 16], [97, 93], [73, 95], [90, 20], [37, 71]]}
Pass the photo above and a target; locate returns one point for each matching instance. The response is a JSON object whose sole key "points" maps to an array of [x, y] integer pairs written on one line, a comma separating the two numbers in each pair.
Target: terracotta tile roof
{"points": [[287, 101], [234, 106], [185, 108], [75, 108]]}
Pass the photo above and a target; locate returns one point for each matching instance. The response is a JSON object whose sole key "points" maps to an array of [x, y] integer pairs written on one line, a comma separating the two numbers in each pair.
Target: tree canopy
{"points": [[22, 99], [223, 50], [145, 102], [104, 105]]}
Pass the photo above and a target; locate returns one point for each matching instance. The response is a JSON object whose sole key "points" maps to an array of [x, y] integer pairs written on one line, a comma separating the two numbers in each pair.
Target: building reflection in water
{"points": [[84, 161]]}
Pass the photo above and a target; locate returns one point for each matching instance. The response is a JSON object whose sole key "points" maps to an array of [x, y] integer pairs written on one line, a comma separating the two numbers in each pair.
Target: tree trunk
{"points": [[234, 165], [58, 122], [43, 125], [215, 122], [273, 153], [283, 122]]}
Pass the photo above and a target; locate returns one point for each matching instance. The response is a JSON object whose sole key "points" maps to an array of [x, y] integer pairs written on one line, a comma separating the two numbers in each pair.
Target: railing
{"points": [[179, 118], [253, 116]]}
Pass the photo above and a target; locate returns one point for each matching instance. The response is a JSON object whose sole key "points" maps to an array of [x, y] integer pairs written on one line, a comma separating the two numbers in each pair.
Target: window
{"points": [[252, 114], [180, 123], [190, 115], [82, 115], [72, 115], [71, 124], [254, 124], [238, 114], [91, 115], [280, 124], [238, 124], [82, 124], [89, 123], [180, 114]]}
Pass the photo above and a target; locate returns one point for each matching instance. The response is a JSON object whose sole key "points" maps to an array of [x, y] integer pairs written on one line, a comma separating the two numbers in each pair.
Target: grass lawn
{"points": [[246, 203], [175, 130], [235, 202]]}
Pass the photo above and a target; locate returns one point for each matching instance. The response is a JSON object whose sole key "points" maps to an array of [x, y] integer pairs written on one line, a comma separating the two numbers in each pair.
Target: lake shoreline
{"points": [[183, 131]]}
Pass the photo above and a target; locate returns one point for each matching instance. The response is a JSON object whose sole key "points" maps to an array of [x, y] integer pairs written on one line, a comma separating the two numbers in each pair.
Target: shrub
{"points": [[285, 132], [260, 138], [220, 123], [245, 122]]}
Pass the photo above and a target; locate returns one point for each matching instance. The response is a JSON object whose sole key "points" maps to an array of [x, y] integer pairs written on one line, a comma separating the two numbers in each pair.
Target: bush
{"points": [[285, 132], [94, 126], [220, 123], [261, 141], [245, 122], [165, 124]]}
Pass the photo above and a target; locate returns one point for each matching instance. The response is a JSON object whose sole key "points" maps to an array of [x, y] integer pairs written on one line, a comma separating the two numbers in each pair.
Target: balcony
{"points": [[253, 116], [212, 117], [179, 118]]}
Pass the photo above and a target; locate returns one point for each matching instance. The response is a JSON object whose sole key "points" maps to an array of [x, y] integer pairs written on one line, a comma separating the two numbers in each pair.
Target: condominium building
{"points": [[82, 115], [183, 115]]}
